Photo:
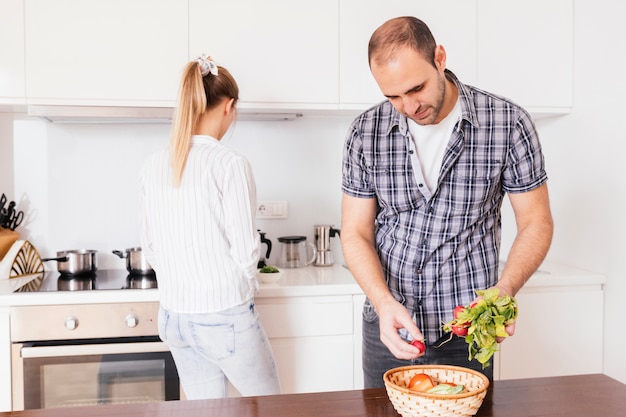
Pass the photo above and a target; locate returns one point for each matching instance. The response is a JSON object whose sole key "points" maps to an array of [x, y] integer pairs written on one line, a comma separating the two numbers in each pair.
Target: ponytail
{"points": [[203, 86]]}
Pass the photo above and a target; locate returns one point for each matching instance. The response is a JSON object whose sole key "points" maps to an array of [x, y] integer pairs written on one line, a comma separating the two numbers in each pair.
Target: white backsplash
{"points": [[79, 181]]}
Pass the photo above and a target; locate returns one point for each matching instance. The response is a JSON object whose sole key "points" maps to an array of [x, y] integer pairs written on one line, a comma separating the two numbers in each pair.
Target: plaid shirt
{"points": [[436, 252]]}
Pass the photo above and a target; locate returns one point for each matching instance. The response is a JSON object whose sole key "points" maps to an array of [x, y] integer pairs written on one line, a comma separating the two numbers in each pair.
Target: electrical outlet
{"points": [[272, 209]]}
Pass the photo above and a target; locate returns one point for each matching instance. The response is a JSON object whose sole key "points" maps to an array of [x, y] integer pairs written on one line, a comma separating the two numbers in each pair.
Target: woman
{"points": [[198, 201]]}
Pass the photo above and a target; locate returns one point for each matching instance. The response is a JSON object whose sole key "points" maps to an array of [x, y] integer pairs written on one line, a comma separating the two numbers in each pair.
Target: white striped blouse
{"points": [[201, 237]]}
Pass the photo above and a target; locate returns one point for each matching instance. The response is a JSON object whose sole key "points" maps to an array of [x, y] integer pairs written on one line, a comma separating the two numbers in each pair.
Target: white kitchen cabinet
{"points": [[525, 52], [558, 332], [358, 301], [314, 364], [313, 341], [452, 23], [12, 79], [520, 50], [282, 53], [5, 360], [114, 52]]}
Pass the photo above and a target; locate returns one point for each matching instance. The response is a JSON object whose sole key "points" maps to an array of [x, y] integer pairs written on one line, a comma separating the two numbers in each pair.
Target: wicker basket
{"points": [[412, 403]]}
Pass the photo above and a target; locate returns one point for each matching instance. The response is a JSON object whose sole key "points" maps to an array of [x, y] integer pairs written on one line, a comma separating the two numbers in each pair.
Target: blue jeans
{"points": [[377, 359], [211, 349]]}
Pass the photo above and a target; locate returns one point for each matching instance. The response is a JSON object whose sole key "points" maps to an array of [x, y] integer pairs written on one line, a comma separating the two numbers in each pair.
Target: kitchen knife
{"points": [[6, 215]]}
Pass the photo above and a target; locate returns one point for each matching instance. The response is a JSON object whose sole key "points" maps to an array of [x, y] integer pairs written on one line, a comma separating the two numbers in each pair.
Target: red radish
{"points": [[459, 330], [420, 345], [457, 311]]}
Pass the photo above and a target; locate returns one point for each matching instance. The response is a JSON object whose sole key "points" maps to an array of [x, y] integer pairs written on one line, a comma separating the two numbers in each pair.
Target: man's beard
{"points": [[436, 108]]}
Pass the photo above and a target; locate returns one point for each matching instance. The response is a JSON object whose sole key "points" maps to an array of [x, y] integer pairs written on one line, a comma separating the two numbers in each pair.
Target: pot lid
{"points": [[77, 252], [292, 239]]}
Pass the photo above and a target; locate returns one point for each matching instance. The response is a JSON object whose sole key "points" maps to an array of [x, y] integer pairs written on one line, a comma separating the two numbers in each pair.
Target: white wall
{"points": [[79, 181], [298, 161], [585, 157], [586, 167]]}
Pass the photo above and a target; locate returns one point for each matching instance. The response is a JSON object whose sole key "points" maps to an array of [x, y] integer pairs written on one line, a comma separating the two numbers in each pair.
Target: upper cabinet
{"points": [[12, 81], [282, 53], [521, 50], [452, 23], [113, 52], [525, 52]]}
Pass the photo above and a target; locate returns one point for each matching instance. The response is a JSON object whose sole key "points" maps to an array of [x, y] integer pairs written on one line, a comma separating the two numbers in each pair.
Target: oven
{"points": [[87, 354]]}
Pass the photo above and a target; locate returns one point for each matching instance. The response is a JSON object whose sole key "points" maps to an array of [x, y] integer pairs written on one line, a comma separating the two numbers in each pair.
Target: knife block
{"points": [[7, 239]]}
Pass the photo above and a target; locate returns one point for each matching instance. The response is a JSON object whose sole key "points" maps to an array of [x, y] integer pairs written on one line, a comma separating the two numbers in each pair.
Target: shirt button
{"points": [[420, 185]]}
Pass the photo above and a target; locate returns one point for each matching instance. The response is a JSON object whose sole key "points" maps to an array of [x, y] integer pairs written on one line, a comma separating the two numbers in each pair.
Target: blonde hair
{"points": [[197, 94]]}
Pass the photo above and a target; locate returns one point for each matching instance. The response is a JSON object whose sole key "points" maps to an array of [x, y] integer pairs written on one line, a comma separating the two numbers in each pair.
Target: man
{"points": [[424, 176]]}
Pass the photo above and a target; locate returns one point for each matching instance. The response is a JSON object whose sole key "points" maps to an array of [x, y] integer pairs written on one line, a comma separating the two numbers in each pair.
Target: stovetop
{"points": [[107, 279]]}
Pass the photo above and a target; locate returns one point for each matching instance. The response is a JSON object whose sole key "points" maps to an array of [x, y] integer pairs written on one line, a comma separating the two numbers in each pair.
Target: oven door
{"points": [[101, 371]]}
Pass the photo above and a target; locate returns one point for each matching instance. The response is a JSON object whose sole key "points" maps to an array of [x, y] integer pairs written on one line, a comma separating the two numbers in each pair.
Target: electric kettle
{"points": [[296, 252]]}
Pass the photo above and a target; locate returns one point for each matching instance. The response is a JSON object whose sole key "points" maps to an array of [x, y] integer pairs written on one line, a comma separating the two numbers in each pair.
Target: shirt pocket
{"points": [[474, 187], [395, 188]]}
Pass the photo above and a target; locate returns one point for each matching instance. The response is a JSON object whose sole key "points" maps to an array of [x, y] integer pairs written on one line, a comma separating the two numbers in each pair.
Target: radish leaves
{"points": [[484, 320]]}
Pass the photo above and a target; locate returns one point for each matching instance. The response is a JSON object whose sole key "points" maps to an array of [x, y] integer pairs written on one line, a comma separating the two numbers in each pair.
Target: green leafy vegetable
{"points": [[484, 320], [268, 269], [444, 388]]}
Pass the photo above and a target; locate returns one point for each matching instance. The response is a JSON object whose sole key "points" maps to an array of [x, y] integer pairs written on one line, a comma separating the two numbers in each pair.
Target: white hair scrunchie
{"points": [[207, 65]]}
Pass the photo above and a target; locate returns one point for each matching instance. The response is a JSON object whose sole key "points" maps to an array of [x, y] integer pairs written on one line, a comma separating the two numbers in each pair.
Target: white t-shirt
{"points": [[201, 237], [429, 146]]}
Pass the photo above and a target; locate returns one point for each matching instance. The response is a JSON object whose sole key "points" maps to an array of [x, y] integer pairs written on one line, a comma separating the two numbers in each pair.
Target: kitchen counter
{"points": [[313, 318], [307, 281], [571, 396]]}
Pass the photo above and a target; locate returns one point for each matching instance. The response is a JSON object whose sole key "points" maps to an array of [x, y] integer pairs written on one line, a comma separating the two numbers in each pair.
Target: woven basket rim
{"points": [[407, 391]]}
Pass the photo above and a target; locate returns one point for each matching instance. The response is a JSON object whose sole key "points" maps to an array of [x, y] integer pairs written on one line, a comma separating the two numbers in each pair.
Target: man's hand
{"points": [[393, 316], [509, 328]]}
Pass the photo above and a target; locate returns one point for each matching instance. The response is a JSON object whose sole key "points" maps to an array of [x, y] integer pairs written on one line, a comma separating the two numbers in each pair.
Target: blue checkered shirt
{"points": [[437, 251]]}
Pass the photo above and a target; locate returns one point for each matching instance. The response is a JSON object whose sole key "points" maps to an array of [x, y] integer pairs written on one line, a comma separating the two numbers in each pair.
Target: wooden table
{"points": [[569, 396]]}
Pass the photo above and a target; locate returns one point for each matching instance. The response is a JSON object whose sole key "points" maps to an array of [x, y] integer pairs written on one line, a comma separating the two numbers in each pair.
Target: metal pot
{"points": [[76, 262], [136, 262], [142, 282], [76, 283]]}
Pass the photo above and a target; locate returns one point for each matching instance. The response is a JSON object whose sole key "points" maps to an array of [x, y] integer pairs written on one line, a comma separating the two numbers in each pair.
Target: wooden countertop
{"points": [[568, 396]]}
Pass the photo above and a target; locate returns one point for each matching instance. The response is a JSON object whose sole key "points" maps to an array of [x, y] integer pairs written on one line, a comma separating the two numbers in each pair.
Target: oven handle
{"points": [[92, 349]]}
